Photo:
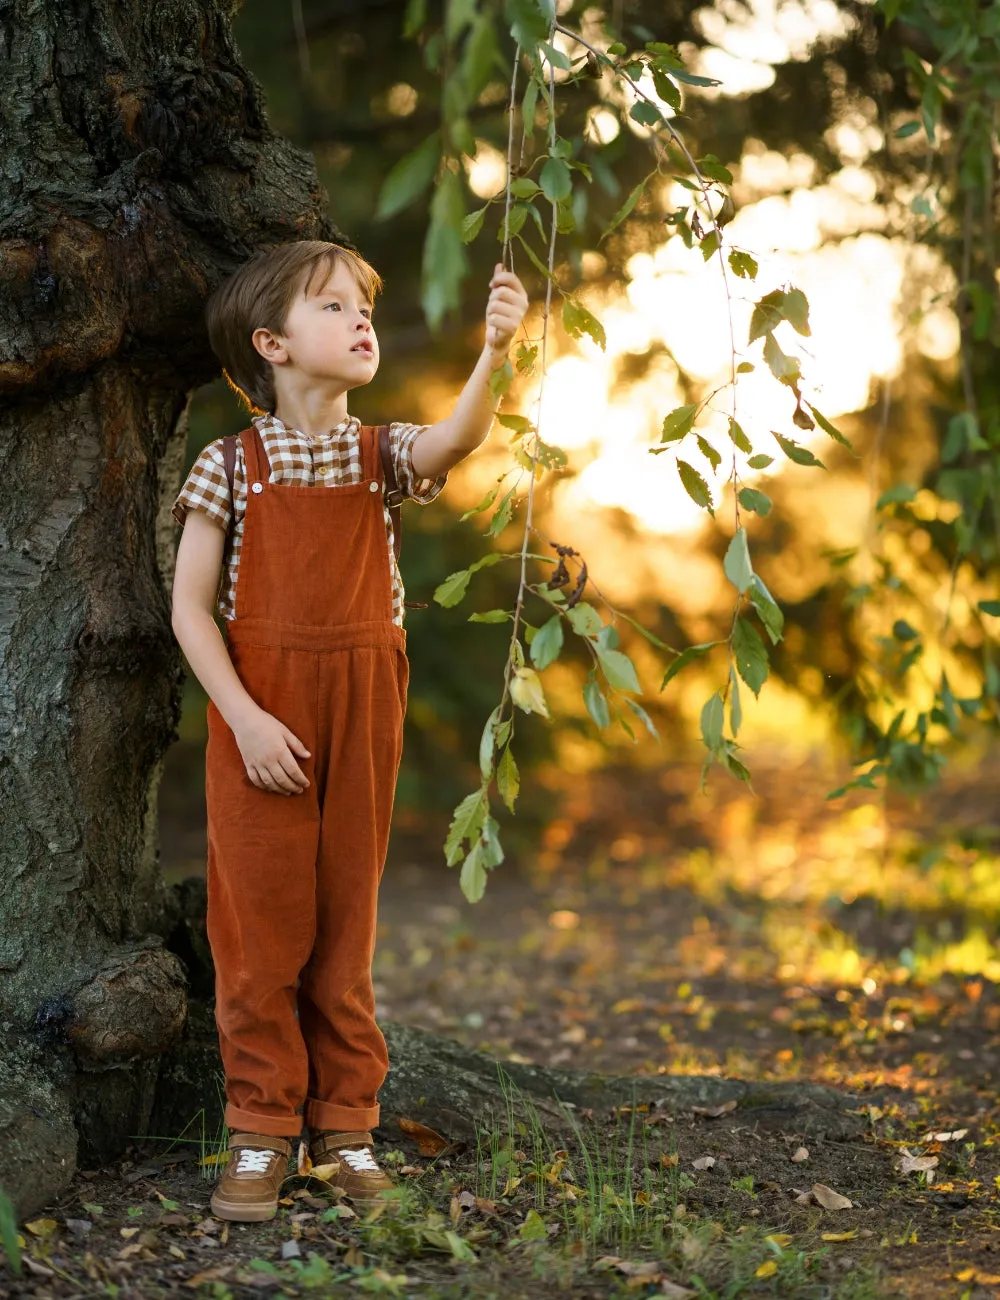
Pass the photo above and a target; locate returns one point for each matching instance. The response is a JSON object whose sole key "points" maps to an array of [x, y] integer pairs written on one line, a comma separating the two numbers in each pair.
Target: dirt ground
{"points": [[655, 931]]}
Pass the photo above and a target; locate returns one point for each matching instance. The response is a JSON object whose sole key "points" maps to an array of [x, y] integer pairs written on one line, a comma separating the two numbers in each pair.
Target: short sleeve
{"points": [[402, 438], [206, 488]]}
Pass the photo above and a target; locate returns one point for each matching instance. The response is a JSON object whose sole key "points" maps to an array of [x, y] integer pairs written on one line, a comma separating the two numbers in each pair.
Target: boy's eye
{"points": [[335, 305]]}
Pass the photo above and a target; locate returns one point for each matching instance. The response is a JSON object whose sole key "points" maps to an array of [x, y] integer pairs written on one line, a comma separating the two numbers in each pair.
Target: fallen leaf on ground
{"points": [[977, 1276], [800, 1154], [304, 1163], [829, 1199], [840, 1236], [767, 1269], [955, 1135], [713, 1112], [703, 1162], [429, 1143], [291, 1249], [42, 1227], [673, 1291], [669, 1159], [325, 1172], [780, 1239], [911, 1164], [802, 1198]]}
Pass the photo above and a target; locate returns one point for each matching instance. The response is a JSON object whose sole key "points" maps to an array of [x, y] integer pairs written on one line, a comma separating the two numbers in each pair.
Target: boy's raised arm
{"points": [[444, 444]]}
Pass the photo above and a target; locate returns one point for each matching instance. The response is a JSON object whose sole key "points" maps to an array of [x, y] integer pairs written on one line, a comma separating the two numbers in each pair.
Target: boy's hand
{"points": [[504, 312], [269, 751]]}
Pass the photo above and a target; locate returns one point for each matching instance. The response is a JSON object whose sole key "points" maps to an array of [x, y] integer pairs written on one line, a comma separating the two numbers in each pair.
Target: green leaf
{"points": [[485, 504], [686, 657], [694, 485], [766, 317], [597, 704], [526, 692], [501, 379], [690, 79], [759, 502], [767, 609], [644, 718], [467, 821], [709, 244], [737, 566], [619, 669], [796, 311], [556, 57], [743, 265], [454, 587], [907, 129], [556, 180], [783, 366], [617, 50], [519, 423], [415, 17], [750, 654], [679, 423], [800, 455], [646, 114], [739, 438], [445, 259], [473, 878], [585, 620], [472, 225], [745, 368], [711, 722], [491, 616], [665, 87], [503, 514], [829, 429], [898, 494], [627, 207], [530, 20], [529, 106], [508, 778], [991, 607], [487, 744], [577, 321], [533, 1227], [902, 631], [760, 462], [715, 171], [548, 643], [709, 452], [735, 703], [409, 178]]}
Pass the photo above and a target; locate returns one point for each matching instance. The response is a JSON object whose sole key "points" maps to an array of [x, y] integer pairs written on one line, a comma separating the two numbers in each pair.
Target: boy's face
{"points": [[328, 332]]}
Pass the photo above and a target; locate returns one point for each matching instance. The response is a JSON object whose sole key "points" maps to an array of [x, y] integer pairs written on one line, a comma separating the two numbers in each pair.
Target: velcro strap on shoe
{"points": [[329, 1143], [260, 1142]]}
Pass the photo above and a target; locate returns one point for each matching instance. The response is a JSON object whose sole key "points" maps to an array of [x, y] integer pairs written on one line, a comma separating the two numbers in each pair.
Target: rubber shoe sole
{"points": [[240, 1211]]}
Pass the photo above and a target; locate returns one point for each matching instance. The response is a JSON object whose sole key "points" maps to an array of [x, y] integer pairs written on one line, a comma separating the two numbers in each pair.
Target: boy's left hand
{"points": [[505, 310]]}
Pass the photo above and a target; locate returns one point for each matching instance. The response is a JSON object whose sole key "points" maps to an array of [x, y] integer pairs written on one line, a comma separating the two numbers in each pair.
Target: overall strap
{"points": [[393, 495]]}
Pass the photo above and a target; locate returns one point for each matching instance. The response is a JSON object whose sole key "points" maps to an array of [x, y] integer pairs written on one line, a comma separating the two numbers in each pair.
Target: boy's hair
{"points": [[259, 295]]}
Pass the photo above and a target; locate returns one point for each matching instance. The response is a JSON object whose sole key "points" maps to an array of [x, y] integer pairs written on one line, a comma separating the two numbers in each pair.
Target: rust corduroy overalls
{"points": [[293, 881]]}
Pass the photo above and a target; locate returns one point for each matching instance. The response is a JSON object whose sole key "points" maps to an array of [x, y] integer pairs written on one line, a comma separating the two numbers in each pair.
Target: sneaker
{"points": [[248, 1190], [357, 1171]]}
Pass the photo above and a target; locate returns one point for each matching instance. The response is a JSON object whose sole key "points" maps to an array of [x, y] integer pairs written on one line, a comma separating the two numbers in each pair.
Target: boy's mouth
{"points": [[364, 346]]}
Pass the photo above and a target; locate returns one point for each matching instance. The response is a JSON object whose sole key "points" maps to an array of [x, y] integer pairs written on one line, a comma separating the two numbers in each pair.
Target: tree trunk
{"points": [[138, 169]]}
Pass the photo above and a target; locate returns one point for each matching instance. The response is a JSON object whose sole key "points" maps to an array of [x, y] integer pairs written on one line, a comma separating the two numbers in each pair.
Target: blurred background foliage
{"points": [[833, 191]]}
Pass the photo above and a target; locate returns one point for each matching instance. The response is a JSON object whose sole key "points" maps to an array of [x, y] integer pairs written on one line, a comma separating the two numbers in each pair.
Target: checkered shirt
{"points": [[326, 460]]}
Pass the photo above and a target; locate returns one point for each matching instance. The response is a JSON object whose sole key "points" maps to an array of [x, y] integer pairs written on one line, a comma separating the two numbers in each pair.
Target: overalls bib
{"points": [[293, 880]]}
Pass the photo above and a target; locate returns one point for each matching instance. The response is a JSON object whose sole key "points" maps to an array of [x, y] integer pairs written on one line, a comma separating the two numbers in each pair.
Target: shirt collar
{"points": [[271, 424]]}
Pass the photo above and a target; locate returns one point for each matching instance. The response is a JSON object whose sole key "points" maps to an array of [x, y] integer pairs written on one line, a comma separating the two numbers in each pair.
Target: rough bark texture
{"points": [[138, 168]]}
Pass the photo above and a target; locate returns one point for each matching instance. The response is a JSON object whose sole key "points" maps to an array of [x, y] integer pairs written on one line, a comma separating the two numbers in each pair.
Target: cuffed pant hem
{"points": [[246, 1121], [342, 1119]]}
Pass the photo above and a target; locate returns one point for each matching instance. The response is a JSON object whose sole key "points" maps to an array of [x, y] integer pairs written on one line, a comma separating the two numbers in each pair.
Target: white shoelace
{"points": [[360, 1159], [254, 1162]]}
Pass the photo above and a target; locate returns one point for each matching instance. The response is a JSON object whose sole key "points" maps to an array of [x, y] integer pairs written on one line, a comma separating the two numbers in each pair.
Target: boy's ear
{"points": [[269, 346]]}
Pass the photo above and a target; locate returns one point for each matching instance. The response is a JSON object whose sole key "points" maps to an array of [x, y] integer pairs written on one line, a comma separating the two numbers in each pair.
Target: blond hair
{"points": [[259, 296]]}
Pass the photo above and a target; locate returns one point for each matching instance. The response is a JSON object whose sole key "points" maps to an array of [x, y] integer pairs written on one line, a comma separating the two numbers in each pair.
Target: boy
{"points": [[306, 698]]}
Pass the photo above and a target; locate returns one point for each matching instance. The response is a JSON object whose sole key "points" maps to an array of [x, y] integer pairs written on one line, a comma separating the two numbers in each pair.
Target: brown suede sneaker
{"points": [[248, 1190], [358, 1175]]}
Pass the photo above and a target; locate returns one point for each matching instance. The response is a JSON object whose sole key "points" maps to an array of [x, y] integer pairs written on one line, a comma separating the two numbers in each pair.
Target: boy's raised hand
{"points": [[269, 751], [505, 310]]}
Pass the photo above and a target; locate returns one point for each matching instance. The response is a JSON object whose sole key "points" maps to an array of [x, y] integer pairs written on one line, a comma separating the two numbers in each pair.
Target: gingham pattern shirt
{"points": [[300, 460]]}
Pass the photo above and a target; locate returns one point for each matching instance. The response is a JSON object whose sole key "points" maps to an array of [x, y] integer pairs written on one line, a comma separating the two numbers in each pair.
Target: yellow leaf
{"points": [[325, 1172], [304, 1162], [840, 1236], [780, 1238], [216, 1158], [128, 1233], [526, 692], [627, 1004], [429, 1141], [767, 1269], [42, 1227]]}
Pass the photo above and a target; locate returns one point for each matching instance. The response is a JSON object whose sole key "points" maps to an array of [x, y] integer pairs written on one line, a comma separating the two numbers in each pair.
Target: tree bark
{"points": [[138, 169]]}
